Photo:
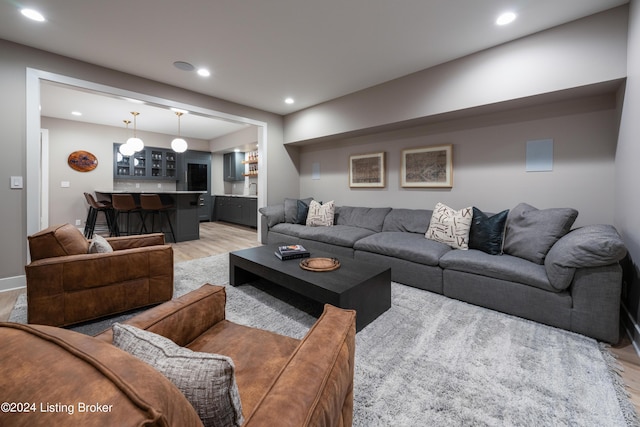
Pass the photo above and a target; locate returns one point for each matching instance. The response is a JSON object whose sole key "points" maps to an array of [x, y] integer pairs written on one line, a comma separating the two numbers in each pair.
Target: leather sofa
{"points": [[67, 285], [281, 380], [575, 284]]}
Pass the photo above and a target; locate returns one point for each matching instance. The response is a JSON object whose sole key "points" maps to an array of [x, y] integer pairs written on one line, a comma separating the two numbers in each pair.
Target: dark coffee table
{"points": [[356, 285]]}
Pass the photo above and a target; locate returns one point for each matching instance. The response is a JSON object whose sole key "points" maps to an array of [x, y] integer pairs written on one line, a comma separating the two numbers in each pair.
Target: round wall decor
{"points": [[82, 161]]}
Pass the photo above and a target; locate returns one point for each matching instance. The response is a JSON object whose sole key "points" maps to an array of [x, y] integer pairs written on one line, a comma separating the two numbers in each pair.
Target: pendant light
{"points": [[179, 145], [126, 149], [135, 142]]}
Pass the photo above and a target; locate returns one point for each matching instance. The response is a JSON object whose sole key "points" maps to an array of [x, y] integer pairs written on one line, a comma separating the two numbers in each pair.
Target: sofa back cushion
{"points": [[407, 220], [369, 218], [531, 232], [57, 240], [590, 246]]}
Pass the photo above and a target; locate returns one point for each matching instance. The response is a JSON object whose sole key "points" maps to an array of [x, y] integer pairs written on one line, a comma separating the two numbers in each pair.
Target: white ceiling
{"points": [[260, 52]]}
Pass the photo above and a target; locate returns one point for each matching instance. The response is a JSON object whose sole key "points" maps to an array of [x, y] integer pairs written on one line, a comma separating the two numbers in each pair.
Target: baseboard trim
{"points": [[11, 283], [632, 328]]}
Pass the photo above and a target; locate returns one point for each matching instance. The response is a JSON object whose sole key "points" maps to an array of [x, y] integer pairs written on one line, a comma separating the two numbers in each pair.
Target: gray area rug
{"points": [[434, 361]]}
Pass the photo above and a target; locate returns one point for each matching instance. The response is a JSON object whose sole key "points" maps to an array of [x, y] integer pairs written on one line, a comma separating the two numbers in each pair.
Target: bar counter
{"points": [[184, 216]]}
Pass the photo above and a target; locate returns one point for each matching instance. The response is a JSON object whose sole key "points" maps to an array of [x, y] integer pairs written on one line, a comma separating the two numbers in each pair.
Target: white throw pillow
{"points": [[450, 226], [320, 215]]}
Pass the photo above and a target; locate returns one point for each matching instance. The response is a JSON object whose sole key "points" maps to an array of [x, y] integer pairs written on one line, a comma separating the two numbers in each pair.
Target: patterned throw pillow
{"points": [[320, 215], [206, 380], [450, 226]]}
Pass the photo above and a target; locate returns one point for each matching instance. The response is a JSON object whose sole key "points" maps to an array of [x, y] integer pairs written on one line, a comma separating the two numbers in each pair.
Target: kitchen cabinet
{"points": [[237, 210], [150, 163], [233, 167]]}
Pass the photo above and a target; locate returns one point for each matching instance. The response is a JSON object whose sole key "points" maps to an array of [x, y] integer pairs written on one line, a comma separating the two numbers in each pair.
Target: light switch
{"points": [[64, 184], [16, 182]]}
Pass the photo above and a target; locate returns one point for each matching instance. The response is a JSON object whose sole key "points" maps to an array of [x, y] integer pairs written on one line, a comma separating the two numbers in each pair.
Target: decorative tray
{"points": [[320, 264]]}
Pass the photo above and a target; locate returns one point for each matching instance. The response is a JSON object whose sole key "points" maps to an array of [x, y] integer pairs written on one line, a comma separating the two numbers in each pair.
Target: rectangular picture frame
{"points": [[367, 170], [427, 167]]}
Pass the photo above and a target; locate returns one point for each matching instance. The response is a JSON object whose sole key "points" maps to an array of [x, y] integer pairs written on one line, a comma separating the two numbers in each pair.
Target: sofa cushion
{"points": [[340, 235], [409, 220], [589, 246], [291, 209], [288, 229], [503, 267], [207, 380], [531, 232], [408, 246], [321, 215], [274, 214], [487, 232], [450, 226], [57, 240], [369, 218], [99, 245]]}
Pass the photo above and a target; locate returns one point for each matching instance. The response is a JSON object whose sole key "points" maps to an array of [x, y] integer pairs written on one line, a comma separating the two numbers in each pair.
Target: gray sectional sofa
{"points": [[570, 279]]}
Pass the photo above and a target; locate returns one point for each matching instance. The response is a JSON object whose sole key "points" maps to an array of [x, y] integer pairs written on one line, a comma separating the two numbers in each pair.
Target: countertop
{"points": [[247, 196], [148, 192]]}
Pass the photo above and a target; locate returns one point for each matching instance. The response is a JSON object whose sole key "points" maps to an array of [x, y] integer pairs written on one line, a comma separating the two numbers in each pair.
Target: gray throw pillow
{"points": [[99, 245], [291, 209], [207, 380], [531, 232]]}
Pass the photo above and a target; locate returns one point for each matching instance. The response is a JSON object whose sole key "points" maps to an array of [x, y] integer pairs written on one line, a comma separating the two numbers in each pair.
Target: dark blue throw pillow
{"points": [[487, 233], [303, 211]]}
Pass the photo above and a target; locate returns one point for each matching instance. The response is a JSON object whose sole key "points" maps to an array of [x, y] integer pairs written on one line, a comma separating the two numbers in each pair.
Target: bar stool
{"points": [[96, 207], [152, 204], [124, 203]]}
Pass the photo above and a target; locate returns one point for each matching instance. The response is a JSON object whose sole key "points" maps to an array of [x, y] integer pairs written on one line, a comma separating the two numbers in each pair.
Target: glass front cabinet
{"points": [[150, 163]]}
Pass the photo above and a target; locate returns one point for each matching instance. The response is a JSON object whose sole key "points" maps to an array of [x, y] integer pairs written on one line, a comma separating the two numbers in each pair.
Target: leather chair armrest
{"points": [[316, 385], [137, 241], [184, 319]]}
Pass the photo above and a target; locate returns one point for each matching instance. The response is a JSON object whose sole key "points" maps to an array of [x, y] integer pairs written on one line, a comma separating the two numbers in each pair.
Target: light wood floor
{"points": [[217, 238]]}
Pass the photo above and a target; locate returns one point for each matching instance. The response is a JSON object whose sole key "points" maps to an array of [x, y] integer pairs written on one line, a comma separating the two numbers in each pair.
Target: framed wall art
{"points": [[427, 167], [367, 170]]}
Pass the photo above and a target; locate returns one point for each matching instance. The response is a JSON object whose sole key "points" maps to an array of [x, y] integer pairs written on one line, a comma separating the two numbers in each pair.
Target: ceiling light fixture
{"points": [[506, 18], [135, 142], [126, 149], [204, 72], [179, 145], [76, 113], [289, 101], [33, 14]]}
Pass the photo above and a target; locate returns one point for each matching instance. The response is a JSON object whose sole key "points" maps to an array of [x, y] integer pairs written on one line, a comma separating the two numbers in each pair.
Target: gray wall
{"points": [[488, 162], [16, 59], [627, 177]]}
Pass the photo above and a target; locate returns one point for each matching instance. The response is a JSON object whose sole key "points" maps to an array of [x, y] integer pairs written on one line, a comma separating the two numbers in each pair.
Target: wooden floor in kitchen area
{"points": [[220, 237]]}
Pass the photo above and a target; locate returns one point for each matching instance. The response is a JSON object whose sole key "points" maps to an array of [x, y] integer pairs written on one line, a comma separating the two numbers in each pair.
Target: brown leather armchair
{"points": [[67, 285]]}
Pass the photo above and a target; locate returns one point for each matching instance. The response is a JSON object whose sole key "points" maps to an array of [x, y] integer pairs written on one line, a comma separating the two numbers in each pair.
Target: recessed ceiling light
{"points": [[289, 101], [76, 113], [203, 72], [184, 66], [506, 18], [178, 110], [33, 14]]}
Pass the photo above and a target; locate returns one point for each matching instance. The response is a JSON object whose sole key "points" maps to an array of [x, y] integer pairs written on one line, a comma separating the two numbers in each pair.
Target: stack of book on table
{"points": [[292, 252]]}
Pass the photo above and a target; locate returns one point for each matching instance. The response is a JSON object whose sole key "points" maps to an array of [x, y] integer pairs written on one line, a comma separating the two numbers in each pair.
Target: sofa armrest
{"points": [[316, 385], [274, 214], [183, 319], [136, 241]]}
